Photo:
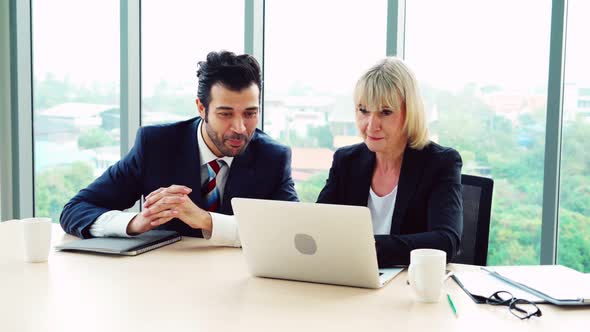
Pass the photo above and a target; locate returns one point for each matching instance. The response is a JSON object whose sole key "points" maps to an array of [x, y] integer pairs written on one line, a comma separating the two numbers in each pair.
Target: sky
{"points": [[323, 44], [493, 42], [177, 34], [78, 39], [504, 42]]}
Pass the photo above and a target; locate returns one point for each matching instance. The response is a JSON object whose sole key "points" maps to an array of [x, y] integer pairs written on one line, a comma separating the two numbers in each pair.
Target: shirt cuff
{"points": [[112, 224], [224, 231]]}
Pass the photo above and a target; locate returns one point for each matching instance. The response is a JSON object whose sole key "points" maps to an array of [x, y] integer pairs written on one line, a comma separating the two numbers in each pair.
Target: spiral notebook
{"points": [[554, 284], [123, 246]]}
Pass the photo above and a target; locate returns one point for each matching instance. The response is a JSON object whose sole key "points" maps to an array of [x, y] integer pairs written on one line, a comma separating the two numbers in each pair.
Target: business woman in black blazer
{"points": [[411, 185]]}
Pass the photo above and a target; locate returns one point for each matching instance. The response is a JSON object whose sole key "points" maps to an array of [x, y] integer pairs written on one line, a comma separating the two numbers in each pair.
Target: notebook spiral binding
{"points": [[158, 245]]}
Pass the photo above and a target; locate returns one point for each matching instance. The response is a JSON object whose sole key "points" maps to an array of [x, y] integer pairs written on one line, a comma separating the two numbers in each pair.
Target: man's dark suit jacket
{"points": [[428, 209], [168, 154]]}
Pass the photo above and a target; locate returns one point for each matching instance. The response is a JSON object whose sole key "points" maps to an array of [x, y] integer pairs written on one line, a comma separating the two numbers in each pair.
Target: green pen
{"points": [[452, 305]]}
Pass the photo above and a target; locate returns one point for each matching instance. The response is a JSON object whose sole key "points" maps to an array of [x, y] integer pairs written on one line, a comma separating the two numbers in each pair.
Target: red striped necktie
{"points": [[209, 190]]}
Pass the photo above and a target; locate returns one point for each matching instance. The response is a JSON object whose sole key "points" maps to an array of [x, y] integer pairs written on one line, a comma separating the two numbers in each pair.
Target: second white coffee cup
{"points": [[427, 273], [36, 239]]}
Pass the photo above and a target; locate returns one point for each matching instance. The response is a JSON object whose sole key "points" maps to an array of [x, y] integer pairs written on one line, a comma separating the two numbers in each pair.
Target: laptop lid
{"points": [[322, 243]]}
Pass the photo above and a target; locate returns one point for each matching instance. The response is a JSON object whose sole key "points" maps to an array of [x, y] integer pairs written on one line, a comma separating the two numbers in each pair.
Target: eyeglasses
{"points": [[521, 308]]}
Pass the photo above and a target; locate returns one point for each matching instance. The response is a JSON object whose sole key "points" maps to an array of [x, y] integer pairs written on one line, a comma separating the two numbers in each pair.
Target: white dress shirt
{"points": [[225, 228], [382, 211]]}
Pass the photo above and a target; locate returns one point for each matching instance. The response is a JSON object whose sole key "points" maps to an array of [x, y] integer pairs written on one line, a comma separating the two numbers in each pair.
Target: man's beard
{"points": [[220, 143]]}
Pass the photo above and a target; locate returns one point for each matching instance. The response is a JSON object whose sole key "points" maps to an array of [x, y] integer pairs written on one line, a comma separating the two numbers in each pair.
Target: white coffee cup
{"points": [[427, 273], [37, 239]]}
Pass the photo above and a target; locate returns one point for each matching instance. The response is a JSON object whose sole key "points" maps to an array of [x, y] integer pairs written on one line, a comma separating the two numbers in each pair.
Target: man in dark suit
{"points": [[189, 171]]}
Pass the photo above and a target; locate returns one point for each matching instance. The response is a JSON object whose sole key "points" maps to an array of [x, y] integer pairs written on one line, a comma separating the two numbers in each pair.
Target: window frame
{"points": [[17, 186]]}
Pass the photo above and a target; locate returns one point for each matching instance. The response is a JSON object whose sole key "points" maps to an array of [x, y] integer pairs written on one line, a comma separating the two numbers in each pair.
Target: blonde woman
{"points": [[411, 185]]}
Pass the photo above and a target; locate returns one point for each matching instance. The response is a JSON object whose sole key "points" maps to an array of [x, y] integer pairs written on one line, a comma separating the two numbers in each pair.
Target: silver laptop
{"points": [[323, 243]]}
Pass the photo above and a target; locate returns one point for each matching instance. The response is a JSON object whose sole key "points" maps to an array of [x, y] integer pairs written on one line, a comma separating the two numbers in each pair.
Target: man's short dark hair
{"points": [[234, 72]]}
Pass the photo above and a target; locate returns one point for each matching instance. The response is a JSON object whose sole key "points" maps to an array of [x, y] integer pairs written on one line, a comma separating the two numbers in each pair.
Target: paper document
{"points": [[553, 281], [484, 284]]}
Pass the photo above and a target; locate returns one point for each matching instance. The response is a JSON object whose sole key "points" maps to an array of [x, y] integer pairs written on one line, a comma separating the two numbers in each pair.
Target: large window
{"points": [[574, 207], [483, 68], [75, 97], [312, 60], [175, 36]]}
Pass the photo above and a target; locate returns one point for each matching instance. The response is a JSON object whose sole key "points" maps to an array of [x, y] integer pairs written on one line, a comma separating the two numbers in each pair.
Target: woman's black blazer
{"points": [[428, 209]]}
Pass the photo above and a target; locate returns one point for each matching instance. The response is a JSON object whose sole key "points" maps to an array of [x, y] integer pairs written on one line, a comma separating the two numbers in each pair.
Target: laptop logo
{"points": [[305, 244]]}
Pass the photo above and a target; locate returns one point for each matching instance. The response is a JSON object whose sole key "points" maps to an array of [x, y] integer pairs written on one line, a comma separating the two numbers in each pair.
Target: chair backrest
{"points": [[477, 206]]}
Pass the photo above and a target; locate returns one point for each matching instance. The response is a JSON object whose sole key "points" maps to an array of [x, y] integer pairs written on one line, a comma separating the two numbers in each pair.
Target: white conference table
{"points": [[188, 286]]}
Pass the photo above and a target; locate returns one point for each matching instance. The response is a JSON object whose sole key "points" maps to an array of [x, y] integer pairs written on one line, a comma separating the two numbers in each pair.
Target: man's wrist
{"points": [[226, 232], [207, 223], [134, 227], [131, 227], [112, 223]]}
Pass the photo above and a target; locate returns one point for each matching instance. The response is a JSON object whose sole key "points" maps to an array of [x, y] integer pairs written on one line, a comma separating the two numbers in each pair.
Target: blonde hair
{"points": [[391, 82]]}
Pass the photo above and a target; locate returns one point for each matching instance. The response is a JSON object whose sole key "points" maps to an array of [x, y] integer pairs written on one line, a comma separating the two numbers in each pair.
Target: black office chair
{"points": [[477, 205]]}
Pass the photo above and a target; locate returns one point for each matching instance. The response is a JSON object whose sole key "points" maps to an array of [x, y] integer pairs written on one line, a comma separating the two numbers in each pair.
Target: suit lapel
{"points": [[193, 164], [360, 179], [241, 178], [410, 176]]}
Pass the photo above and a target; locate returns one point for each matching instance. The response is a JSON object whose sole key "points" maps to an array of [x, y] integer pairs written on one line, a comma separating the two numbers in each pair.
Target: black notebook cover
{"points": [[123, 246]]}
